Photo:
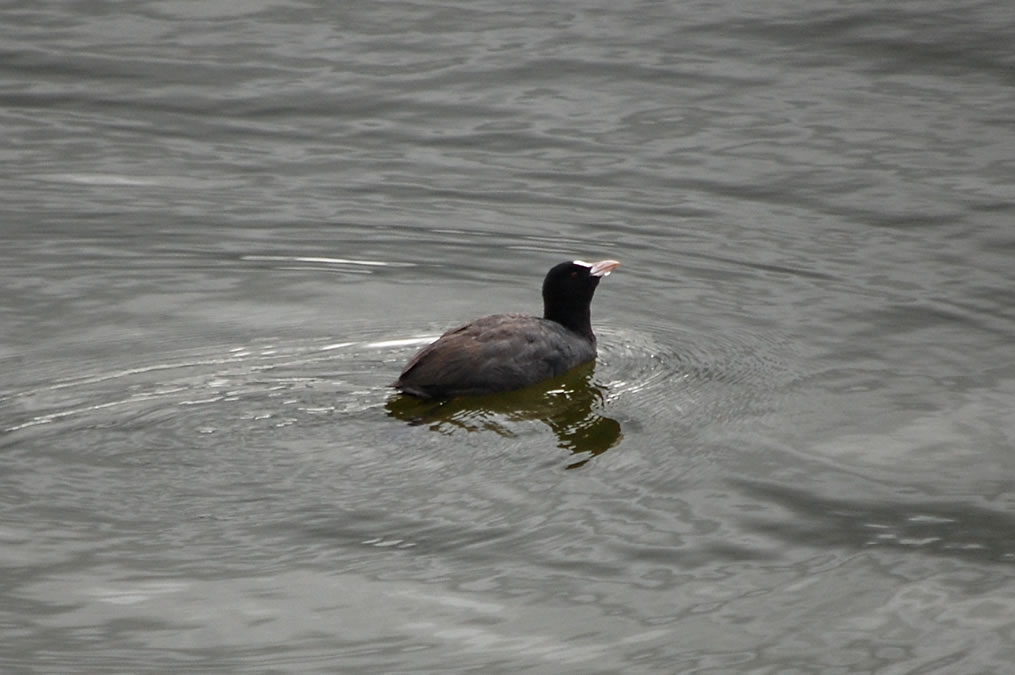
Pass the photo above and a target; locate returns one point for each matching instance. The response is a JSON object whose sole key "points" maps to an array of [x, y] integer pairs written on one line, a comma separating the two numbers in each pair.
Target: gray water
{"points": [[226, 225]]}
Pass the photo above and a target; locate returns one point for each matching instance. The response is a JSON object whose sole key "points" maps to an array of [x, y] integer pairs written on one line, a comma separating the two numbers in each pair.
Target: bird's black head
{"points": [[568, 290]]}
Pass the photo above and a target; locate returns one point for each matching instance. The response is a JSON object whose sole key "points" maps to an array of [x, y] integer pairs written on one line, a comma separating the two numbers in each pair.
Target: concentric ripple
{"points": [[186, 380], [645, 378], [673, 373]]}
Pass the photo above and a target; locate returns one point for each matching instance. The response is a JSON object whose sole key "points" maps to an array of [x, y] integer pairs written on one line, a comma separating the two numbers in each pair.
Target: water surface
{"points": [[227, 225]]}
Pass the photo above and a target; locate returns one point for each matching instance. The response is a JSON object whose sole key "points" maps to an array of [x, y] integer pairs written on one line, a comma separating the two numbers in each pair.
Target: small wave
{"points": [[668, 372]]}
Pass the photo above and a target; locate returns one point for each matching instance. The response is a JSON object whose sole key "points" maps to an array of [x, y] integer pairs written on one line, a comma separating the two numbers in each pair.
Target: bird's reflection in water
{"points": [[570, 405]]}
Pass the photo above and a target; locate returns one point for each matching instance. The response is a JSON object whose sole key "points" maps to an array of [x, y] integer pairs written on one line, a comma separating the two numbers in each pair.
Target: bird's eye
{"points": [[574, 275]]}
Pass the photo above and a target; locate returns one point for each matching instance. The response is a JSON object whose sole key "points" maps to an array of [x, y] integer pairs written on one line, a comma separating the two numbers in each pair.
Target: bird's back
{"points": [[495, 353]]}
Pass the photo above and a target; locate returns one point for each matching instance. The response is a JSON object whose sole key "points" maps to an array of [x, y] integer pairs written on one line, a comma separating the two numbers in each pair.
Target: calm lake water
{"points": [[226, 225]]}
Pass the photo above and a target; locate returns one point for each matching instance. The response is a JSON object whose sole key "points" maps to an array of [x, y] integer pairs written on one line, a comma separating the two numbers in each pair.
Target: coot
{"points": [[510, 351]]}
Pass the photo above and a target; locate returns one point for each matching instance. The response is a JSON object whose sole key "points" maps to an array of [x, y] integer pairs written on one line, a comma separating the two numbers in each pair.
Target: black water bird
{"points": [[504, 352]]}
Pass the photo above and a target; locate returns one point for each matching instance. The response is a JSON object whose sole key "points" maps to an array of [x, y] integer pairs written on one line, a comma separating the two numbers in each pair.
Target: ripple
{"points": [[223, 388], [324, 260], [666, 371], [644, 380]]}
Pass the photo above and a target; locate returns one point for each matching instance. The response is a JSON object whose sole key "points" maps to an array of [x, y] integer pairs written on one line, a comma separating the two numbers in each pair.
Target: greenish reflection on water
{"points": [[571, 405]]}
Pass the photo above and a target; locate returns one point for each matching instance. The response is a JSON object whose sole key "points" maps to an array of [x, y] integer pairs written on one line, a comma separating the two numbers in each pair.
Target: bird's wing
{"points": [[495, 353]]}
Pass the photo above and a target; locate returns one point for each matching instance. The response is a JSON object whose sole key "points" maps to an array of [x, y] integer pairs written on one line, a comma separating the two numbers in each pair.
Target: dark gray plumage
{"points": [[503, 352]]}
